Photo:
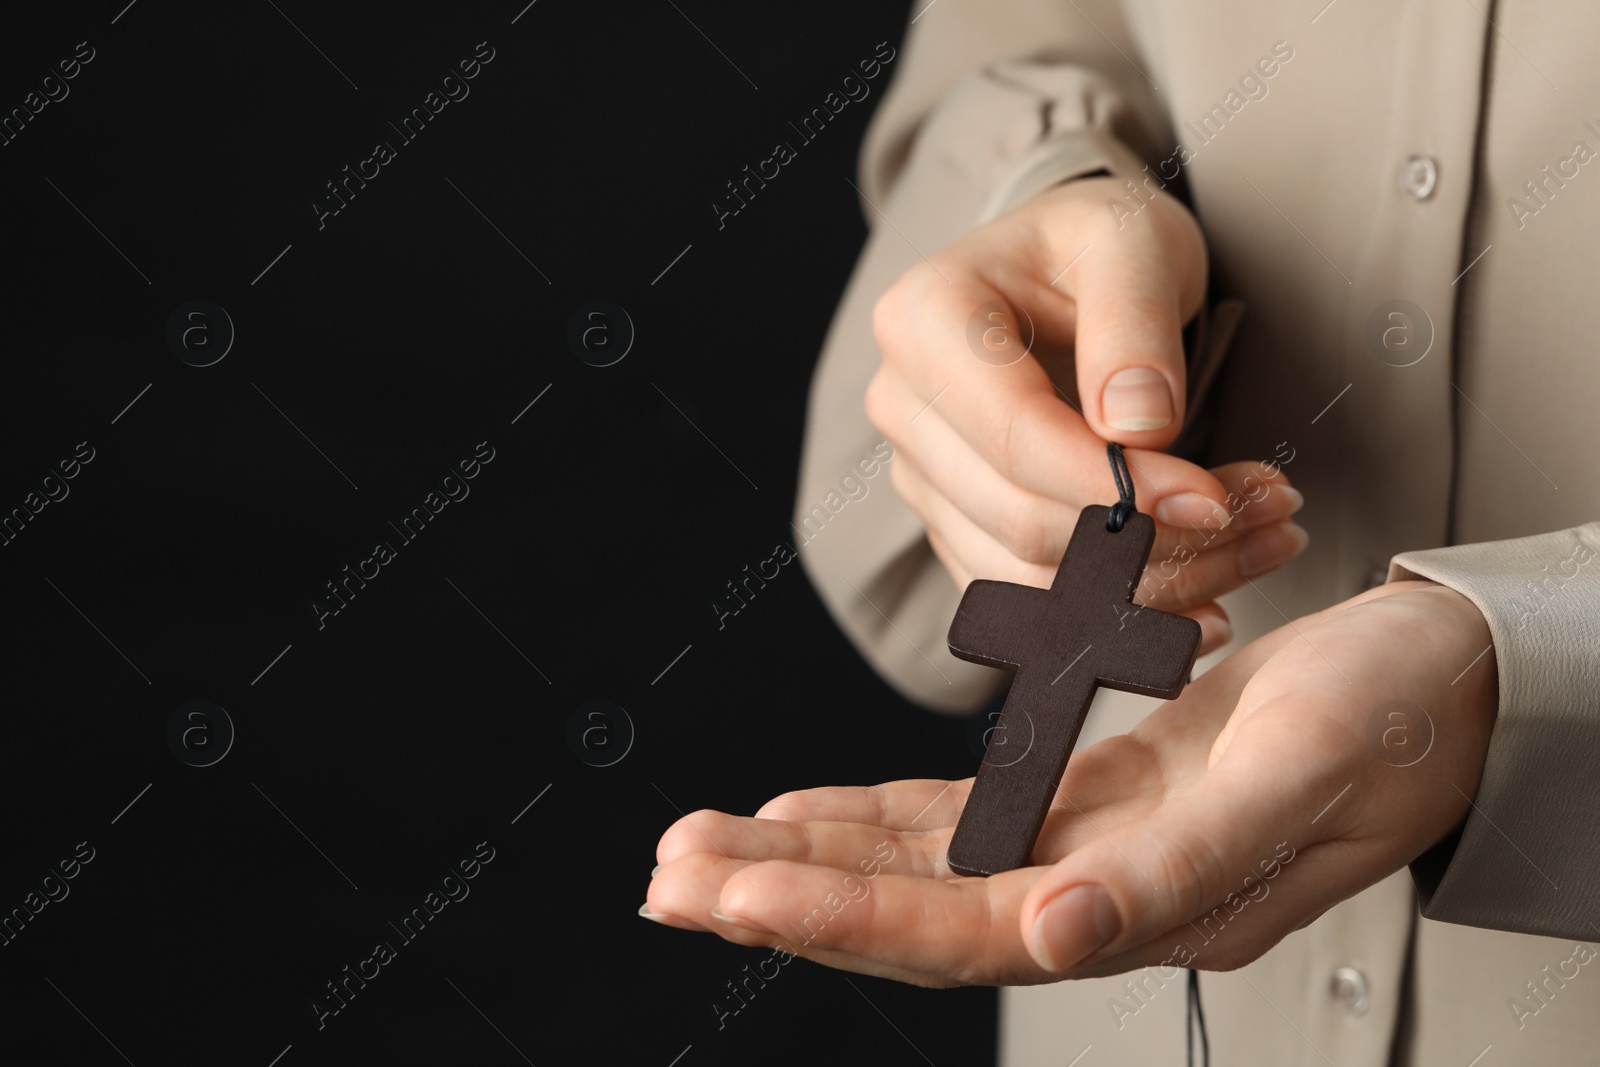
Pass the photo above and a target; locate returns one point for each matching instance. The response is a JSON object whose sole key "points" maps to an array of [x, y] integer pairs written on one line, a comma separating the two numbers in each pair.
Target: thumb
{"points": [[1152, 875], [1133, 295]]}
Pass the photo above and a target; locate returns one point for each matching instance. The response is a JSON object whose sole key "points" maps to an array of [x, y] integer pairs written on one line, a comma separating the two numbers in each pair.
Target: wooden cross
{"points": [[1063, 642]]}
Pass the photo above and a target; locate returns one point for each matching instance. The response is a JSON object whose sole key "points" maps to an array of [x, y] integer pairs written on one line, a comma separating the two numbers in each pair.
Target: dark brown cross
{"points": [[1063, 642]]}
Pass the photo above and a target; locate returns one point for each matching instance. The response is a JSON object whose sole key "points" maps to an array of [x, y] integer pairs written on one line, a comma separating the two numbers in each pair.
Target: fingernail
{"points": [[653, 916], [1136, 399], [1296, 498], [1073, 925], [655, 870], [1269, 547], [719, 914], [1189, 510]]}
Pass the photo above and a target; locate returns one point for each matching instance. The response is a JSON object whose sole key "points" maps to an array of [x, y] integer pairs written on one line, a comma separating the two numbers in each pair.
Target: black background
{"points": [[418, 721]]}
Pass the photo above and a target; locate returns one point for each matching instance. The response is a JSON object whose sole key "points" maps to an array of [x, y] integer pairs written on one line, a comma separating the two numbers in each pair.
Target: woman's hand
{"points": [[997, 461], [1304, 768]]}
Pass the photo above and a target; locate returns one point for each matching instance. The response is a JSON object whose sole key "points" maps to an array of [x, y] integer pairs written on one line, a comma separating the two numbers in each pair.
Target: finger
{"points": [[1129, 345], [685, 894], [1034, 530], [1032, 527], [1255, 496], [1011, 415], [1133, 288], [1154, 874], [1185, 579], [1216, 629], [683, 891], [1036, 525], [964, 929], [688, 886], [1288, 890], [952, 563], [849, 846], [690, 835], [978, 553], [1198, 569], [1178, 582], [913, 804]]}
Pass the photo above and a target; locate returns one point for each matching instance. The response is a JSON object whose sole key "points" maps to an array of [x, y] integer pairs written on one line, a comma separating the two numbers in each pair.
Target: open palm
{"points": [[1303, 768]]}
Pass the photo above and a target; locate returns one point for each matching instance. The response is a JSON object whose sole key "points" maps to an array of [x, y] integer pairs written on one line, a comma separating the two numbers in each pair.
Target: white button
{"points": [[1349, 987], [1418, 176]]}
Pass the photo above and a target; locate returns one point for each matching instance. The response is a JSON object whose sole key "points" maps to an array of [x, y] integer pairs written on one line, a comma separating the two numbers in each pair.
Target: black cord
{"points": [[1124, 479], [1195, 1017]]}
